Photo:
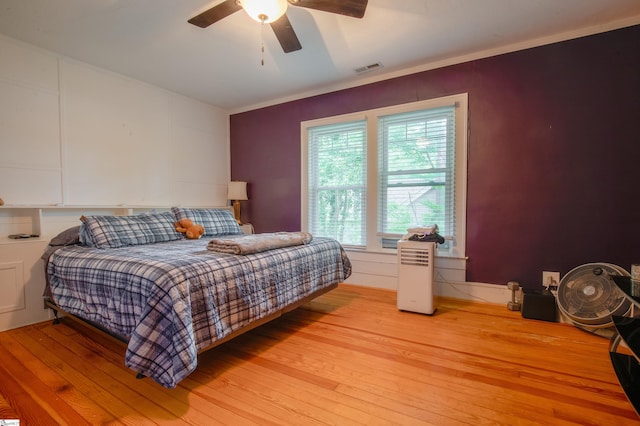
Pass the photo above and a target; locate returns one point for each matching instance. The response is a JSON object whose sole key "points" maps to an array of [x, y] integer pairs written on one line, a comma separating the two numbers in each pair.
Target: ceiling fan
{"points": [[273, 12]]}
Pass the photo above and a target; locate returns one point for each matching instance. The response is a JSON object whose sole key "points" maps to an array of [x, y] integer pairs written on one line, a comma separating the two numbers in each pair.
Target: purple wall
{"points": [[554, 154]]}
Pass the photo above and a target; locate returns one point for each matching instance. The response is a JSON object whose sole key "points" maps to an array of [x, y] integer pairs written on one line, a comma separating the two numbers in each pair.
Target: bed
{"points": [[170, 298]]}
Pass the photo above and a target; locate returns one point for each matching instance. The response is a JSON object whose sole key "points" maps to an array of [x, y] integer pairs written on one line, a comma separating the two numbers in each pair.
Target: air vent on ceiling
{"points": [[368, 68]]}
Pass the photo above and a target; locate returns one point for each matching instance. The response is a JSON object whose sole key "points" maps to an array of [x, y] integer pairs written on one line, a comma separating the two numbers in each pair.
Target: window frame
{"points": [[456, 247]]}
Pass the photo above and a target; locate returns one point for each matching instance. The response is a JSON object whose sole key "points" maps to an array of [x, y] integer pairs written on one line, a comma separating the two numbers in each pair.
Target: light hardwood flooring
{"points": [[348, 357]]}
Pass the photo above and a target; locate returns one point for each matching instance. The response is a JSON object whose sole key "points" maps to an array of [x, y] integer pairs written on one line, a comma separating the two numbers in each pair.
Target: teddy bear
{"points": [[191, 230]]}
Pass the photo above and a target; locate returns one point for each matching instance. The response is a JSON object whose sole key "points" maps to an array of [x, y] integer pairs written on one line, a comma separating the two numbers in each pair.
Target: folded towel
{"points": [[247, 244]]}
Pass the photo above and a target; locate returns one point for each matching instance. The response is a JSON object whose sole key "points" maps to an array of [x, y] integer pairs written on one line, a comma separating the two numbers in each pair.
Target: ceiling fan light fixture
{"points": [[265, 11]]}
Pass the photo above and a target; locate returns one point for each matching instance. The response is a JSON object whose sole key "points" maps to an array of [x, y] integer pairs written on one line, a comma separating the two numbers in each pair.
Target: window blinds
{"points": [[337, 181], [416, 171]]}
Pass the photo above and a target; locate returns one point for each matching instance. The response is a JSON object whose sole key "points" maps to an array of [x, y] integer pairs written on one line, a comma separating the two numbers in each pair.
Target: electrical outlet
{"points": [[550, 279]]}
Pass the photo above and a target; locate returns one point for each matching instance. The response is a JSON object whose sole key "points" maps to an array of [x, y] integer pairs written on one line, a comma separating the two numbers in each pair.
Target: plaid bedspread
{"points": [[175, 298]]}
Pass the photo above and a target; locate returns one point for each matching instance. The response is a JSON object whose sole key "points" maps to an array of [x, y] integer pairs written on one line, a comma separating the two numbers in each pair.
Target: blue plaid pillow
{"points": [[84, 234], [215, 221], [120, 231]]}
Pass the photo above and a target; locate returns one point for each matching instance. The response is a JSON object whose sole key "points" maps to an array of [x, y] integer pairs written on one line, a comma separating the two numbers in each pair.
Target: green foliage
{"points": [[340, 215]]}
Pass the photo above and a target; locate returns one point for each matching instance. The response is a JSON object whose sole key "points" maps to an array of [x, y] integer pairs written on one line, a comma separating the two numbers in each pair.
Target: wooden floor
{"points": [[348, 357]]}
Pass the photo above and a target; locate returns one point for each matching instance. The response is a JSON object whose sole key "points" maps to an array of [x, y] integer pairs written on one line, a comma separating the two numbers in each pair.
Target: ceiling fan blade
{"points": [[215, 14], [353, 8], [286, 35]]}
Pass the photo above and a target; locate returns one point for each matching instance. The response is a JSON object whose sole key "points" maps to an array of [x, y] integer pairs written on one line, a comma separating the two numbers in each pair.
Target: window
{"points": [[337, 181], [416, 158], [367, 177]]}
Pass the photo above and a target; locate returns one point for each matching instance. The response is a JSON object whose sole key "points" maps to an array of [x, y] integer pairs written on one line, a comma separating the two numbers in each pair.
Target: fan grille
{"points": [[587, 295]]}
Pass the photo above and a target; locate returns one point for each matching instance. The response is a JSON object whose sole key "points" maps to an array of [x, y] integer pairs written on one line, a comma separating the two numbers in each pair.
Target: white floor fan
{"points": [[587, 297]]}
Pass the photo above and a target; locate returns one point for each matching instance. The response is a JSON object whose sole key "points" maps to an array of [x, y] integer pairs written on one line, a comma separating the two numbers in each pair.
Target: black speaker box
{"points": [[539, 304]]}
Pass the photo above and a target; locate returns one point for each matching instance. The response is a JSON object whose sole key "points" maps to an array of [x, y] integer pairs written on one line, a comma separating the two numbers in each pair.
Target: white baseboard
{"points": [[381, 271], [479, 292]]}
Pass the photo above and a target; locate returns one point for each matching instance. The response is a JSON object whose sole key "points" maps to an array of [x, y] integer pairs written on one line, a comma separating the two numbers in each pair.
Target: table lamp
{"points": [[237, 192]]}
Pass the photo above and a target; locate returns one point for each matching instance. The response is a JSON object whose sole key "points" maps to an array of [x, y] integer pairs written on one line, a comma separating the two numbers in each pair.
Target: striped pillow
{"points": [[215, 221], [120, 231]]}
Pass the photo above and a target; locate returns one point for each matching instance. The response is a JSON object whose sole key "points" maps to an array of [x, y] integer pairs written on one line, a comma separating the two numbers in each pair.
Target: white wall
{"points": [[74, 134]]}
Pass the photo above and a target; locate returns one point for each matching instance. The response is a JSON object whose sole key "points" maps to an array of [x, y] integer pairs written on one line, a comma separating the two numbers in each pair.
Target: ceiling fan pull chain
{"points": [[262, 17]]}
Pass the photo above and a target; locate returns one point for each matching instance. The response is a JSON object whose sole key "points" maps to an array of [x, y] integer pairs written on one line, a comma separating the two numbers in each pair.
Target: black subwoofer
{"points": [[539, 304]]}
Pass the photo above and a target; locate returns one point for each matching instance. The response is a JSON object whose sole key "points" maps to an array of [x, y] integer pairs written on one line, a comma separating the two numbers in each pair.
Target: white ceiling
{"points": [[150, 40]]}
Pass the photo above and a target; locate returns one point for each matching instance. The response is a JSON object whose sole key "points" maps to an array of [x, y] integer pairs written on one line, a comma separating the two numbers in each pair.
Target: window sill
{"points": [[446, 254]]}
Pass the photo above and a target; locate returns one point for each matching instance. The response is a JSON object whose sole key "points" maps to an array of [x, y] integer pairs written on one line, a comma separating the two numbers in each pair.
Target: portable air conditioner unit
{"points": [[415, 276]]}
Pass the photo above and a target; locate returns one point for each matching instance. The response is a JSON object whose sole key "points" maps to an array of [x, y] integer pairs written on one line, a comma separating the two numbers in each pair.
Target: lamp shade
{"points": [[237, 191], [266, 11]]}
